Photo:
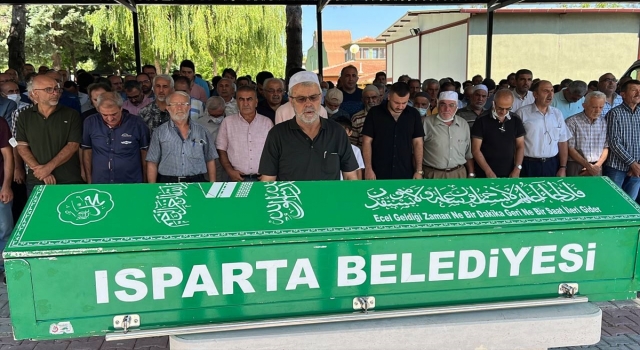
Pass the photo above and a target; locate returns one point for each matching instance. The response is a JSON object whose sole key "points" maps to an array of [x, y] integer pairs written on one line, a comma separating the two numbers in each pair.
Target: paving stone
{"points": [[26, 345], [119, 344], [633, 346], [618, 330], [9, 341], [155, 343], [51, 345], [92, 343], [617, 340]]}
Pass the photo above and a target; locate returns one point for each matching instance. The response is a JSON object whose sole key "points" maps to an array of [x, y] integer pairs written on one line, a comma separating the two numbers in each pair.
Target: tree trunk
{"points": [[57, 61], [169, 64], [15, 41], [294, 38], [156, 62]]}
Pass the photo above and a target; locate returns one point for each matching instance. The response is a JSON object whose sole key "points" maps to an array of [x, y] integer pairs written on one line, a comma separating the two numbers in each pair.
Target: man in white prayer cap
{"points": [[307, 147], [447, 142], [476, 104]]}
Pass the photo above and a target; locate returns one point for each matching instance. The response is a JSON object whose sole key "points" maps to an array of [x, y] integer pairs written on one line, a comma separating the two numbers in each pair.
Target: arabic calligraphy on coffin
{"points": [[508, 195]]}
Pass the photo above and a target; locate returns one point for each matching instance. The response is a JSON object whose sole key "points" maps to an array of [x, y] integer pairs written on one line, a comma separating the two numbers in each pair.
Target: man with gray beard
{"points": [[307, 147], [180, 151]]}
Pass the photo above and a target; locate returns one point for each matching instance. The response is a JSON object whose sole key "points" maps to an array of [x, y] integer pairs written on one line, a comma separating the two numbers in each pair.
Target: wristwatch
{"points": [[563, 167], [472, 174], [420, 172], [519, 167]]}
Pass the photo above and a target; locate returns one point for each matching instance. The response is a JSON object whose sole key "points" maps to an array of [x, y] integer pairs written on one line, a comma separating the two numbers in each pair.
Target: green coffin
{"points": [[195, 254]]}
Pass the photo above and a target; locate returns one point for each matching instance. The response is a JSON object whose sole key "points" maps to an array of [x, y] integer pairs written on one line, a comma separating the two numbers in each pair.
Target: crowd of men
{"points": [[153, 127]]}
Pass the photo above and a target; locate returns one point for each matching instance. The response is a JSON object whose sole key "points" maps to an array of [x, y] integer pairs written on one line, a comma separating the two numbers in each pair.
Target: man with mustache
{"points": [[521, 94], [370, 98], [156, 114], [545, 142], [180, 150], [307, 147]]}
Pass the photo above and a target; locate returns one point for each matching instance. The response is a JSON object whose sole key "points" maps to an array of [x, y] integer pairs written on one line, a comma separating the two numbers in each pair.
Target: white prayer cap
{"points": [[303, 77], [449, 96], [481, 87]]}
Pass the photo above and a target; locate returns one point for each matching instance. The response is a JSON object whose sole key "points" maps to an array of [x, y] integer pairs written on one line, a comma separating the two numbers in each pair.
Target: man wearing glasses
{"points": [[136, 100], [180, 150], [145, 85], [497, 139], [114, 143], [545, 143], [607, 84], [273, 89], [211, 121], [307, 147], [49, 136]]}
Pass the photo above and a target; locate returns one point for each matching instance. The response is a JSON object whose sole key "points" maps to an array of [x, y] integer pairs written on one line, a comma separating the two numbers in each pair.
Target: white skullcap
{"points": [[449, 96], [481, 87], [303, 77]]}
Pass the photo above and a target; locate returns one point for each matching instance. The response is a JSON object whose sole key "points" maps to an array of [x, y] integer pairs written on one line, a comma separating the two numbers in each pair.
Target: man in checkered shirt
{"points": [[623, 134]]}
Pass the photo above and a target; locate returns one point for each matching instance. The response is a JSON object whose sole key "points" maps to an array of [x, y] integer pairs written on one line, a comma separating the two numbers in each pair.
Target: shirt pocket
{"points": [[196, 154], [331, 163]]}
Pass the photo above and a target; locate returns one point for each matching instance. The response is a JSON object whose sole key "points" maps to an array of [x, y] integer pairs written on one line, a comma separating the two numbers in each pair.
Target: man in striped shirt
{"points": [[588, 148], [607, 84], [623, 133]]}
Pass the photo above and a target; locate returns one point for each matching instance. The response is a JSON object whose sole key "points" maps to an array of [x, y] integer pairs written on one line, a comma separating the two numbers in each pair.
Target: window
{"points": [[382, 53]]}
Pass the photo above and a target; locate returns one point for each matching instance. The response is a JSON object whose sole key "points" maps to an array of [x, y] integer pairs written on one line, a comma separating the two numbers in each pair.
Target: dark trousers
{"points": [[19, 200], [533, 168]]}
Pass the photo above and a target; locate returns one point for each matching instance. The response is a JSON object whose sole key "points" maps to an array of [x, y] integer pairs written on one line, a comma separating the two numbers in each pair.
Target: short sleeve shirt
{"points": [[352, 103], [544, 131], [446, 146], [290, 155], [48, 136], [392, 145], [115, 152], [178, 156], [498, 141], [154, 116]]}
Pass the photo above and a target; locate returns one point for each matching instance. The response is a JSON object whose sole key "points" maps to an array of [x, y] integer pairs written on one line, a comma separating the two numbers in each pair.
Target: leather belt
{"points": [[174, 179], [447, 170], [540, 160], [251, 176]]}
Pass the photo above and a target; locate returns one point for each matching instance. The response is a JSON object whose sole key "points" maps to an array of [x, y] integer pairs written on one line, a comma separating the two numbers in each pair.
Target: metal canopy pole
{"points": [[319, 37], [136, 42], [489, 42]]}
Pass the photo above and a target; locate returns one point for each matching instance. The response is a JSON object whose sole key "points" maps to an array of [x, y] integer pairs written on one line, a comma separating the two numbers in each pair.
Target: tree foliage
{"points": [[246, 38]]}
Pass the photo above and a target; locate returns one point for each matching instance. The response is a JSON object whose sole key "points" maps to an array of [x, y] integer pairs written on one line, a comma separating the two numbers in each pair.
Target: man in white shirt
{"points": [[522, 95], [545, 141]]}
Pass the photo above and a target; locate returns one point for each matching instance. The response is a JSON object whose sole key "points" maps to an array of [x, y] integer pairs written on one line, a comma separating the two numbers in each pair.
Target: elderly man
{"points": [[180, 150], [136, 99], [476, 104], [447, 144], [49, 136], [242, 137], [392, 138], [432, 87], [196, 111], [94, 90], [570, 99], [607, 84], [421, 103], [116, 83], [156, 114], [226, 90], [497, 139], [122, 158], [273, 90], [11, 91], [145, 84], [212, 121], [307, 147], [352, 94], [588, 147], [545, 142], [371, 97], [188, 70], [521, 93], [623, 133], [333, 103]]}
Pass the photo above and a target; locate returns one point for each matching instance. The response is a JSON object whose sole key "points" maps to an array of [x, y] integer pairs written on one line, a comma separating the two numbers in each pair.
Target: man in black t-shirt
{"points": [[497, 139]]}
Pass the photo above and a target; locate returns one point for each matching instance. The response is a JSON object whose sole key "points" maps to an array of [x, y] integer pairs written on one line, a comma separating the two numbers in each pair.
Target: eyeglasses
{"points": [[50, 90], [372, 98], [303, 99], [500, 109], [180, 104]]}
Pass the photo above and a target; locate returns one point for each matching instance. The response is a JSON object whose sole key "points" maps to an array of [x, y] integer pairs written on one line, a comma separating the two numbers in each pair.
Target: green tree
{"points": [[246, 38]]}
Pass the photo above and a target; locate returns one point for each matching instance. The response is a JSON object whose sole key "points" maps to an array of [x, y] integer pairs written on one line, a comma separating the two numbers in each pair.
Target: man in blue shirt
{"points": [[352, 94], [7, 107], [114, 143]]}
